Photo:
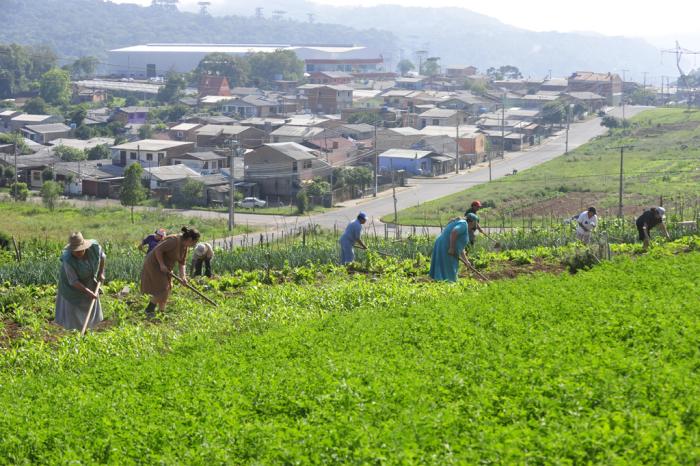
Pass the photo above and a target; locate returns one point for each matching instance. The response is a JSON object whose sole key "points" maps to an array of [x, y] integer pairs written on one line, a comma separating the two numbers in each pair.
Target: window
{"points": [[122, 154], [178, 135], [149, 157], [132, 155], [161, 156], [178, 162], [206, 165], [436, 122], [294, 167], [36, 176], [307, 164]]}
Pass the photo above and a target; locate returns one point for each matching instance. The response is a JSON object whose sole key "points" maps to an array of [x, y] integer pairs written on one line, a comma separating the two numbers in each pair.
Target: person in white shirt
{"points": [[203, 254], [585, 224]]}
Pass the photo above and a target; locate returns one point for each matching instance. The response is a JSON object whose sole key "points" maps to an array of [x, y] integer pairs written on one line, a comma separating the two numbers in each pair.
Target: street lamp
{"points": [[236, 149]]}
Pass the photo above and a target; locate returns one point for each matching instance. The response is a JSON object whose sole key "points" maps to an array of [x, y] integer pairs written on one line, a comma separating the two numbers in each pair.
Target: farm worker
{"points": [[152, 240], [82, 266], [474, 227], [585, 224], [203, 254], [444, 262], [648, 220], [155, 276], [350, 237]]}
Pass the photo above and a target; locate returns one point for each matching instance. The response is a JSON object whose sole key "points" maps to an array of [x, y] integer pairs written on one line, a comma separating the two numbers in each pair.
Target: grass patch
{"points": [[665, 161], [32, 222]]}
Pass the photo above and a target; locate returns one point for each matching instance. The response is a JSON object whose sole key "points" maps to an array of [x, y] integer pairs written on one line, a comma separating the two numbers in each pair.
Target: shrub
{"points": [[302, 201], [50, 192], [19, 191]]}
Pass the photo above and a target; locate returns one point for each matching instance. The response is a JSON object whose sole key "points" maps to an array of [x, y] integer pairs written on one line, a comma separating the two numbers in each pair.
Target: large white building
{"points": [[150, 60]]}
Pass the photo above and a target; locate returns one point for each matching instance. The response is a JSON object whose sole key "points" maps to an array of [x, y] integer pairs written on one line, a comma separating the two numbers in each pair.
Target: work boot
{"points": [[151, 311]]}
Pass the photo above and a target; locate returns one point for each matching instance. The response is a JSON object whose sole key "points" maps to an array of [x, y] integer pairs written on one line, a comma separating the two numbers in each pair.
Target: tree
{"points": [[404, 66], [84, 67], [302, 201], [363, 117], [19, 191], [190, 194], [146, 131], [132, 191], [69, 154], [510, 72], [280, 64], [131, 100], [47, 174], [431, 67], [55, 86], [9, 173], [50, 191], [84, 132], [236, 69], [77, 116], [36, 106], [610, 122], [553, 113], [174, 85], [99, 152]]}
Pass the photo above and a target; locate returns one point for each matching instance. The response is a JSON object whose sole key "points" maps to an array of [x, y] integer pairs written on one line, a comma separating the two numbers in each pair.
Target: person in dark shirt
{"points": [[474, 225], [152, 240], [648, 220]]}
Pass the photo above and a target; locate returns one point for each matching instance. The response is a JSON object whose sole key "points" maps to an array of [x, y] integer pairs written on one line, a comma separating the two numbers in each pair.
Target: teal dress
{"points": [[443, 266]]}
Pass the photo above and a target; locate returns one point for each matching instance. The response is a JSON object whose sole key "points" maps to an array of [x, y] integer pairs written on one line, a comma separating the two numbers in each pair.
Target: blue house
{"points": [[415, 162]]}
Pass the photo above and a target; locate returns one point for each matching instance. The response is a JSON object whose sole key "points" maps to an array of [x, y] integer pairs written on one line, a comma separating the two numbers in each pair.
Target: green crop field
{"points": [[367, 366], [663, 162], [31, 222]]}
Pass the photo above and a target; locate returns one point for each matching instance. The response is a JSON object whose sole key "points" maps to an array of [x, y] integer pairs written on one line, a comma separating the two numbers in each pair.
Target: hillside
{"points": [[663, 162], [463, 37], [567, 369], [91, 27]]}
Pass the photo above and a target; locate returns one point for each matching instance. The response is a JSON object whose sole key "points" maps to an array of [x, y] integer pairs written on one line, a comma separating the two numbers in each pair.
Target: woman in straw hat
{"points": [[155, 276], [82, 266]]}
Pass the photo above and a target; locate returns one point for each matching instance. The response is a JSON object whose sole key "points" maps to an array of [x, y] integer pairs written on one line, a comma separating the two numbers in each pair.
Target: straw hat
{"points": [[76, 242]]}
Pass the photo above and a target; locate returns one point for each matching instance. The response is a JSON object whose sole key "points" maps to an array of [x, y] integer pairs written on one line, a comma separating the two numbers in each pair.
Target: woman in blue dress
{"points": [[444, 262]]}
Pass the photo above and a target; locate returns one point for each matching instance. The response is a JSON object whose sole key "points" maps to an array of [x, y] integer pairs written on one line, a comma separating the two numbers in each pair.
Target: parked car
{"points": [[250, 202]]}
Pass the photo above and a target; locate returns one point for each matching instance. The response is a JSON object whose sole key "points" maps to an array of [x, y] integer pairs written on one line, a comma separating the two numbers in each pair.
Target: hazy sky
{"points": [[611, 17]]}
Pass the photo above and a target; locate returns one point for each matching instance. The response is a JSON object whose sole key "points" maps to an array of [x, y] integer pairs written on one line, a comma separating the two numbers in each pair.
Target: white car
{"points": [[250, 202]]}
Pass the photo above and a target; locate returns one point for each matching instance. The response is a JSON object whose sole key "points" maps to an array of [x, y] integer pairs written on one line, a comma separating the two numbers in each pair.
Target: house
{"points": [[132, 115], [537, 101], [83, 144], [184, 132], [460, 72], [590, 101], [411, 83], [149, 152], [441, 117], [6, 116], [162, 177], [289, 133], [608, 85], [96, 178], [29, 167], [213, 85], [335, 150], [204, 163], [359, 131], [414, 162], [280, 169], [223, 135], [555, 84], [466, 102], [83, 95], [254, 106], [43, 134], [471, 140], [23, 119], [323, 98], [266, 125], [331, 77]]}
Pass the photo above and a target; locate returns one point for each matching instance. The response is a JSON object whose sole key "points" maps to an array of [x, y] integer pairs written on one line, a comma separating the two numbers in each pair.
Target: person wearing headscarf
{"points": [[203, 254], [648, 220], [82, 266], [152, 240], [449, 247], [155, 275]]}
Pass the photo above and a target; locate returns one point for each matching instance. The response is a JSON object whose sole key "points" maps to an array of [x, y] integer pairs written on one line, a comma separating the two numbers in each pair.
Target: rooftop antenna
{"points": [[420, 54], [203, 8], [259, 12], [165, 4]]}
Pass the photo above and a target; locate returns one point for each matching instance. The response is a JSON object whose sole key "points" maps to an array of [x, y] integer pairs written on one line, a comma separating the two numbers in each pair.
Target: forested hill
{"points": [[75, 28]]}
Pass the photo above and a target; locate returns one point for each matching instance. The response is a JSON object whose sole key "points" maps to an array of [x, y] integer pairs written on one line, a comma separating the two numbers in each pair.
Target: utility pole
{"points": [[623, 96], [14, 185], [457, 149], [232, 187], [376, 161], [622, 165], [503, 130], [568, 123]]}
